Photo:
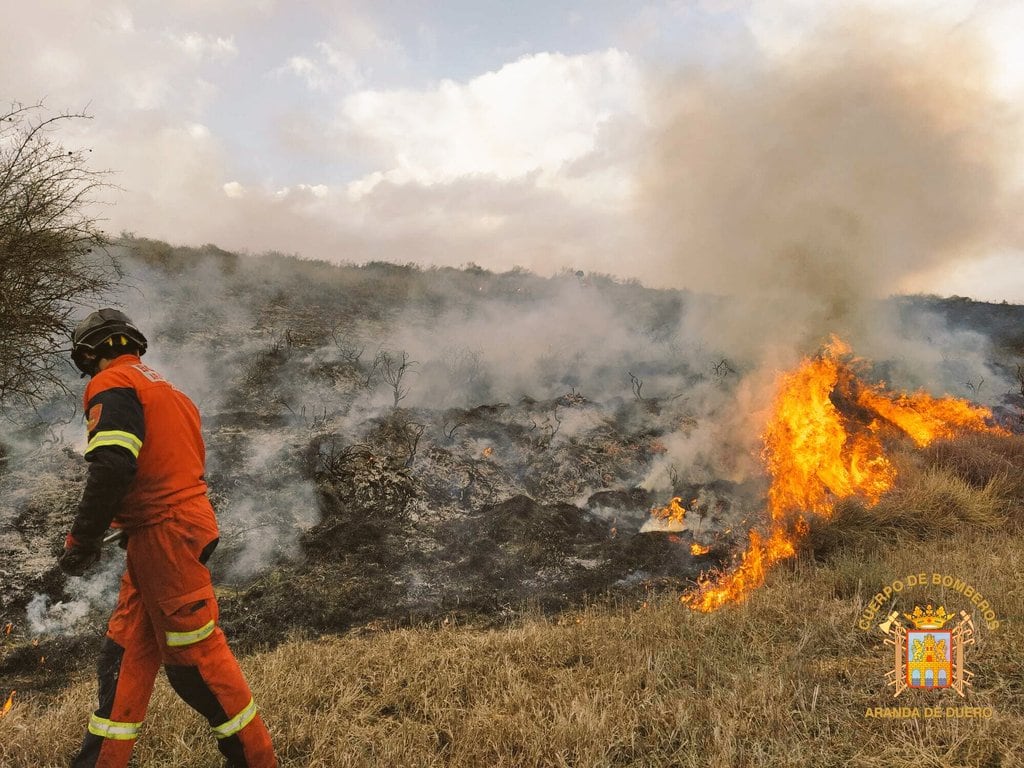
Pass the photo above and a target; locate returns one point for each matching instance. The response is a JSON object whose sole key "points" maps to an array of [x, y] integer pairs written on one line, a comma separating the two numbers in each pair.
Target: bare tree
{"points": [[393, 372], [366, 380], [52, 253], [722, 368], [413, 432], [549, 428], [451, 421], [637, 384], [348, 351]]}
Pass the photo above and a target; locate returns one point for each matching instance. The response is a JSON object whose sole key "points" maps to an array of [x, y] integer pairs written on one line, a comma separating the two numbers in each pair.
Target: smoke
{"points": [[90, 595], [571, 336], [799, 188], [265, 504], [809, 183], [193, 328]]}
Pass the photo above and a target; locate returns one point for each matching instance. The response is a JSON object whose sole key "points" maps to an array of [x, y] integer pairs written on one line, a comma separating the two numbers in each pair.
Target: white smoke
{"points": [[91, 595]]}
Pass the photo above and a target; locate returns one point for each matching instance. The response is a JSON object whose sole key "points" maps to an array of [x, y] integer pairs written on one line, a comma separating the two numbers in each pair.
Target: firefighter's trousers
{"points": [[166, 614]]}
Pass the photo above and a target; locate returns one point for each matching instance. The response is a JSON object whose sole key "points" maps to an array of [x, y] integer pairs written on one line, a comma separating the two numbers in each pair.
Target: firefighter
{"points": [[146, 462]]}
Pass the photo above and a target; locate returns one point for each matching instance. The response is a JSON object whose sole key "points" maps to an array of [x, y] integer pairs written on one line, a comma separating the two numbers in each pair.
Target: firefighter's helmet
{"points": [[100, 330]]}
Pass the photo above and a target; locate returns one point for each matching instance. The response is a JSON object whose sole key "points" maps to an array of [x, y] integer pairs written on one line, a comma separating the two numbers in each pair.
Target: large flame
{"points": [[823, 442]]}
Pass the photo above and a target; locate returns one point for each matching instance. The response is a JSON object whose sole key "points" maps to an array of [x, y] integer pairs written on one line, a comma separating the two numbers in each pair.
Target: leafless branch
{"points": [[393, 372], [637, 384], [722, 368], [53, 256]]}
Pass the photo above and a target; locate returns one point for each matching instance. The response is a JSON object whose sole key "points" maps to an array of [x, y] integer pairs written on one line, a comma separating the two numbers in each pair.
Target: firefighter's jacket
{"points": [[145, 450]]}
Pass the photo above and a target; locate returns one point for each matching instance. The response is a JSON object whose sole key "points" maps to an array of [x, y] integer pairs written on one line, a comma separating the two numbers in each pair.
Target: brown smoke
{"points": [[813, 182]]}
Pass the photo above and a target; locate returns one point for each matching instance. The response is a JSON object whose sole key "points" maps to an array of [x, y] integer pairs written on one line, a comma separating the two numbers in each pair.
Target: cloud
{"points": [[346, 56], [533, 115], [536, 193], [306, 70], [539, 161], [199, 46]]}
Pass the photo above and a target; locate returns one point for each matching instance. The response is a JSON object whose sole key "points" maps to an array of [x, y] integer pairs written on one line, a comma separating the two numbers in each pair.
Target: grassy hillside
{"points": [[783, 679]]}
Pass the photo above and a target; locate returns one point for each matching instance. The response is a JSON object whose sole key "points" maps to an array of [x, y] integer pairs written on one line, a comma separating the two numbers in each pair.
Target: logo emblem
{"points": [[927, 656], [93, 418]]}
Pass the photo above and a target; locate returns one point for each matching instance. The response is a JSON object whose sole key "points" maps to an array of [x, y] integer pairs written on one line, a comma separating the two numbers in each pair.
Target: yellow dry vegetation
{"points": [[785, 678]]}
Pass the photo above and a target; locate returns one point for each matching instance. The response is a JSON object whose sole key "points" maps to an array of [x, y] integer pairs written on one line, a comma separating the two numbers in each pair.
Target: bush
{"points": [[52, 252]]}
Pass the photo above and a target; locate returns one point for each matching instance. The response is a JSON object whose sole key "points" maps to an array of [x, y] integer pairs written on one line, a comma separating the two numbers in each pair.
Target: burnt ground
{"points": [[417, 522], [477, 531], [474, 515]]}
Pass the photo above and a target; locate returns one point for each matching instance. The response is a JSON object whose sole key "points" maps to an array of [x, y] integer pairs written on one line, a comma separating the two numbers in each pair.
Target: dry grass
{"points": [[985, 460], [975, 482], [783, 679]]}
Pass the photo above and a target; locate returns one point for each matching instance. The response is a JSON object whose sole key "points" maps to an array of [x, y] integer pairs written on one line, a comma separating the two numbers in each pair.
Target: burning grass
{"points": [[829, 440], [937, 495]]}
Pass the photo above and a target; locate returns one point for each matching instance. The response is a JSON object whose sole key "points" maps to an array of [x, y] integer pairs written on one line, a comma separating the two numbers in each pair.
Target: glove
{"points": [[78, 557]]}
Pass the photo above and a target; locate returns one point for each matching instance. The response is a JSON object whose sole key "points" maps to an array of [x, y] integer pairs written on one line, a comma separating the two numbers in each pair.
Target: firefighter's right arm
{"points": [[116, 432]]}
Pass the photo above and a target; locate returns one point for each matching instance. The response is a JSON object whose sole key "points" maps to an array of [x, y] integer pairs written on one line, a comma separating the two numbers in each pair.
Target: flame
{"points": [[712, 594], [698, 549], [813, 453], [925, 418], [816, 452], [671, 517], [674, 513], [8, 704]]}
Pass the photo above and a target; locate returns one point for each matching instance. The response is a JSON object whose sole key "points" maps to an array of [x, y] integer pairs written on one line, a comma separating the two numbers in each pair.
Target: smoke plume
{"points": [[808, 184]]}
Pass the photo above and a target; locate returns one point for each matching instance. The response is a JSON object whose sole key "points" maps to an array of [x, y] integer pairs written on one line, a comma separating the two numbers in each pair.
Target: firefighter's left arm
{"points": [[116, 431]]}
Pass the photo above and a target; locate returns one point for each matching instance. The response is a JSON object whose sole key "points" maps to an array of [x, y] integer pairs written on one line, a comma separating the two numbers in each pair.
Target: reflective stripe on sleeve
{"points": [[111, 729], [178, 639], [236, 723], [116, 437]]}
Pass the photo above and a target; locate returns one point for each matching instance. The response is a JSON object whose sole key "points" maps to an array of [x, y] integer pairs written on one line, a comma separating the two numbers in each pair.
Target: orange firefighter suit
{"points": [[146, 468]]}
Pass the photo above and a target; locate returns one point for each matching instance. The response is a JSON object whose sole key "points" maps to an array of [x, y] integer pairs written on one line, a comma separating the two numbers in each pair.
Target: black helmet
{"points": [[105, 326]]}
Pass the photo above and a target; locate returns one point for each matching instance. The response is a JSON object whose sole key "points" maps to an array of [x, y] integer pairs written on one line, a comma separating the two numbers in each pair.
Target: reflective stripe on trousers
{"points": [[111, 729], [236, 723], [181, 639]]}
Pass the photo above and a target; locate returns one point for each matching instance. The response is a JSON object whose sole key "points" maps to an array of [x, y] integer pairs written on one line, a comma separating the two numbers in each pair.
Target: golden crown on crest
{"points": [[929, 618]]}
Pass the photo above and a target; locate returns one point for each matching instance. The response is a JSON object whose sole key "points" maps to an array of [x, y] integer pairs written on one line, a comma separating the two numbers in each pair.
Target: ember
{"points": [[815, 453]]}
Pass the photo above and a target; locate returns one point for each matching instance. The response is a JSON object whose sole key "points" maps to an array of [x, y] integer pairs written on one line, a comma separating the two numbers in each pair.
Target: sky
{"points": [[705, 144]]}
